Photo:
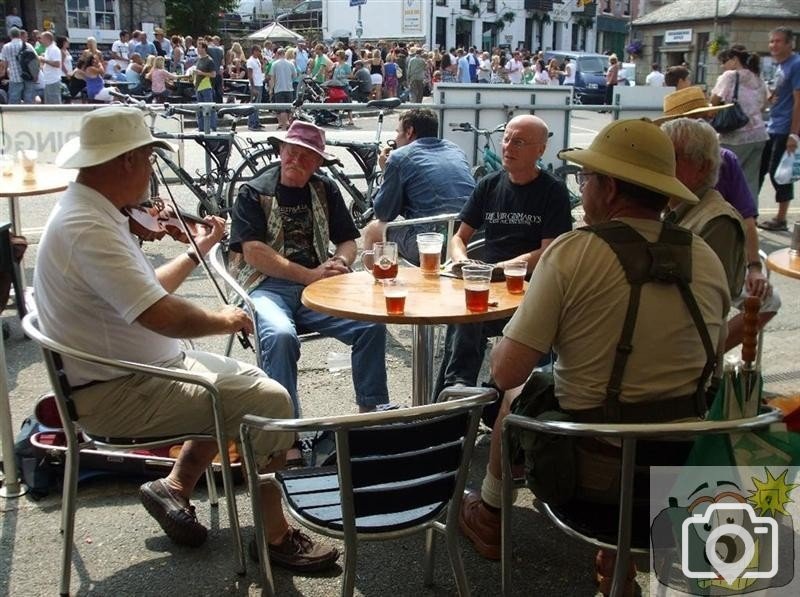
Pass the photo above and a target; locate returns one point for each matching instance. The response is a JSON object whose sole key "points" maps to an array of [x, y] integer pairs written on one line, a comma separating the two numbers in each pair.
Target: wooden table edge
{"points": [[783, 254]]}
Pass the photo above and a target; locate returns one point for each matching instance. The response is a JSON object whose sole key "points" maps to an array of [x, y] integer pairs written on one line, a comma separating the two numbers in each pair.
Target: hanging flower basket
{"points": [[718, 43], [635, 48]]}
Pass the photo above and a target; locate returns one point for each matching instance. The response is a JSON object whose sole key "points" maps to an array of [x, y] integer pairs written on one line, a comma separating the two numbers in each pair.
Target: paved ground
{"points": [[119, 549]]}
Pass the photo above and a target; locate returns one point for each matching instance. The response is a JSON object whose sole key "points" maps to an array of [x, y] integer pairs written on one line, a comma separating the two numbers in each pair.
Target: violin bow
{"points": [[242, 336]]}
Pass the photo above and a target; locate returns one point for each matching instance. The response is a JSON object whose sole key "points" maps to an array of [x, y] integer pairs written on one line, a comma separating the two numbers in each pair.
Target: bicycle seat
{"points": [[236, 111], [391, 102]]}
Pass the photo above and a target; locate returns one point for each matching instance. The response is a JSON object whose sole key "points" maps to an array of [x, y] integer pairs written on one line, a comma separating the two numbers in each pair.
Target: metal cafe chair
{"points": [[397, 472], [218, 260], [628, 434], [53, 352]]}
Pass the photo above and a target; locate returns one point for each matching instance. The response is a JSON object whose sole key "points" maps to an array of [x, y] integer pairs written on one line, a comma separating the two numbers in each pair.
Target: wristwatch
{"points": [[756, 264]]}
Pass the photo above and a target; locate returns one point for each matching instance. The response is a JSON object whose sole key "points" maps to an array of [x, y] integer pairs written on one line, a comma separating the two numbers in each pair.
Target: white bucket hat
{"points": [[107, 133]]}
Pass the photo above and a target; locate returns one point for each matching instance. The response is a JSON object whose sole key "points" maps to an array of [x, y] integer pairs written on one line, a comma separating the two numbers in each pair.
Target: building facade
{"points": [[531, 24], [692, 33], [79, 19]]}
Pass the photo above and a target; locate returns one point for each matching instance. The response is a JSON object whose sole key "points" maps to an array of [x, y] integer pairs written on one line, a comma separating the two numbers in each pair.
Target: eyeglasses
{"points": [[519, 143], [583, 178], [152, 159]]}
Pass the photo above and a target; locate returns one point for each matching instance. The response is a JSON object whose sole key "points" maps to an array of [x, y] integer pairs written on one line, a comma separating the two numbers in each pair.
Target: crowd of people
{"points": [[667, 183]]}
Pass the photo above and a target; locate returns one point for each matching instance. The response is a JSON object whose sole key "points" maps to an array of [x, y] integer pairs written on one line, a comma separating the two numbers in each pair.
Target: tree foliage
{"points": [[197, 17]]}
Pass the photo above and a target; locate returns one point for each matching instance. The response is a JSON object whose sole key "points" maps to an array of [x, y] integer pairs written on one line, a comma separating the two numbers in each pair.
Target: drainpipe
{"points": [[132, 27]]}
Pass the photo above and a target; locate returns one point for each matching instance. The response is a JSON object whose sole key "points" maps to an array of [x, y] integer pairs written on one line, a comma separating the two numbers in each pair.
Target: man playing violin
{"points": [[97, 292]]}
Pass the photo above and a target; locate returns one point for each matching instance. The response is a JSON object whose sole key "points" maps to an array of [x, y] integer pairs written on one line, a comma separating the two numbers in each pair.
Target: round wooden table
{"points": [[431, 300], [49, 179], [783, 262]]}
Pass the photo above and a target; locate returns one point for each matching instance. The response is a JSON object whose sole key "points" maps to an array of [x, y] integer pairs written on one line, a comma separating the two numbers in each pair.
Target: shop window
{"points": [[92, 14]]}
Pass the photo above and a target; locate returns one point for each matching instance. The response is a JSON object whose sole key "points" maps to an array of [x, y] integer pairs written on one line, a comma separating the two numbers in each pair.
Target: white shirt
{"points": [[655, 79], [121, 48], [52, 74], [514, 68], [92, 282], [569, 76], [254, 64]]}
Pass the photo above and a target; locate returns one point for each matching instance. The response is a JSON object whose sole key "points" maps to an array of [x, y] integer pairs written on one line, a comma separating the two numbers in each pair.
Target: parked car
{"points": [[306, 15], [590, 74]]}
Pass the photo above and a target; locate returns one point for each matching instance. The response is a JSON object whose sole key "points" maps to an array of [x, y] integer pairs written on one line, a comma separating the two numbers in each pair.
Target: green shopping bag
{"points": [[739, 396]]}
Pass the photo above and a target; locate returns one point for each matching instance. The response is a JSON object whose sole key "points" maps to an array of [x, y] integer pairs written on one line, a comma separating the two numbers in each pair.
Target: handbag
{"points": [[732, 118]]}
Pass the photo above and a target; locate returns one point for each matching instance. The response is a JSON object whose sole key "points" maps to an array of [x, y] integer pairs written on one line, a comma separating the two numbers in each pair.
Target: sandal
{"points": [[774, 224]]}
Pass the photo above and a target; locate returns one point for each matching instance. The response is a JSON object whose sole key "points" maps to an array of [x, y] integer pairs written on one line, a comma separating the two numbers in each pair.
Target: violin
{"points": [[153, 220]]}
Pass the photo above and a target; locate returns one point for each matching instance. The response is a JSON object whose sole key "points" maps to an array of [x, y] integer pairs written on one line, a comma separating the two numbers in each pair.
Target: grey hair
{"points": [[696, 140]]}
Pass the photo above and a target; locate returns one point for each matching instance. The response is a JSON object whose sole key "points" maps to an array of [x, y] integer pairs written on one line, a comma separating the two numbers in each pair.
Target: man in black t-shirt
{"points": [[281, 227], [521, 209]]}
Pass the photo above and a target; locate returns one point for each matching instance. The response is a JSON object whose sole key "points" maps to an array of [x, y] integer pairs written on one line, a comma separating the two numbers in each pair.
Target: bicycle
{"points": [[214, 188], [365, 154], [491, 162]]}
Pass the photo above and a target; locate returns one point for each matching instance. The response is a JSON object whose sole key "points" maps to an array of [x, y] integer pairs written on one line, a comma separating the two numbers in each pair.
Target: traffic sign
{"points": [[357, 2]]}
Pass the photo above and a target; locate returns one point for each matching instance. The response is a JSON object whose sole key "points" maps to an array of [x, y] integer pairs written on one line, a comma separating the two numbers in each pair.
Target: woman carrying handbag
{"points": [[748, 141]]}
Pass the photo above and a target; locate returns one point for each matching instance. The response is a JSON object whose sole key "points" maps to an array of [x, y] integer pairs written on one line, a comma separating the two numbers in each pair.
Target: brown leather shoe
{"points": [[298, 552], [480, 525], [173, 512], [604, 574]]}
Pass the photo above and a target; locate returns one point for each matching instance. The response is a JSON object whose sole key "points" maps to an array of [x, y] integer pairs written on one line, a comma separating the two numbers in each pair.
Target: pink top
{"points": [[752, 98], [158, 80]]}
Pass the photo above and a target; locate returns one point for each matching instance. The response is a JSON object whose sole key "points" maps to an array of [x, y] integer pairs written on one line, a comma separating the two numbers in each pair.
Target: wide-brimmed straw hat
{"points": [[105, 134], [636, 151], [687, 102], [305, 134]]}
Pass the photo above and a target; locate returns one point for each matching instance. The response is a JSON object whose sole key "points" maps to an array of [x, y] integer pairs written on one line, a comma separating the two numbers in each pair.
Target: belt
{"points": [[659, 411], [88, 384]]}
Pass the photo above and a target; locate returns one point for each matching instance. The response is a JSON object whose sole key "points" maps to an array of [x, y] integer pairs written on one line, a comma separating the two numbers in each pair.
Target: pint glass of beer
{"points": [[477, 279], [395, 293], [430, 252], [384, 261], [514, 272]]}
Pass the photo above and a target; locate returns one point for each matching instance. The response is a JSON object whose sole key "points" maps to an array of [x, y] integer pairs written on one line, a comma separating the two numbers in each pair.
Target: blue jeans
{"points": [[206, 95], [21, 91], [279, 313], [464, 349], [255, 98]]}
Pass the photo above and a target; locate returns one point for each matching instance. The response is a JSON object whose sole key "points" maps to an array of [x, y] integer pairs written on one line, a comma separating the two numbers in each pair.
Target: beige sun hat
{"points": [[688, 102], [105, 134], [636, 151]]}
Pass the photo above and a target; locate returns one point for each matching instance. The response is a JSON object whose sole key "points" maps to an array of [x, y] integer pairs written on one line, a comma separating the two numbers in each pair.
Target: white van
{"points": [[259, 10]]}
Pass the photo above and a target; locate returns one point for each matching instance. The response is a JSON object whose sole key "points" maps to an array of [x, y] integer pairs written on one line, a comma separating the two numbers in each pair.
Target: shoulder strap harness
{"points": [[666, 261]]}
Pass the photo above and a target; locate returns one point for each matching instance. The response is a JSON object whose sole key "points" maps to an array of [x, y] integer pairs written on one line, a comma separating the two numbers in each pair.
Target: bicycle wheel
{"points": [[479, 172], [250, 168]]}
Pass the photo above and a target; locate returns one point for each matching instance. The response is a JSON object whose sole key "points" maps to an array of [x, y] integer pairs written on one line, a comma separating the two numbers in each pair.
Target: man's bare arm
{"points": [[176, 317], [512, 363], [271, 263], [459, 242], [531, 257]]}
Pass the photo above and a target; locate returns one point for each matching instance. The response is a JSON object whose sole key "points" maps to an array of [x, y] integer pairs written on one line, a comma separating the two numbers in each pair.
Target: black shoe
{"points": [[298, 552], [173, 512]]}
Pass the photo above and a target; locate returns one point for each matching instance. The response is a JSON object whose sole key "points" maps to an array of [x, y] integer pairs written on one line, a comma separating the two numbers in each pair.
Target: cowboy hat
{"points": [[305, 134], [105, 134], [687, 102], [636, 151]]}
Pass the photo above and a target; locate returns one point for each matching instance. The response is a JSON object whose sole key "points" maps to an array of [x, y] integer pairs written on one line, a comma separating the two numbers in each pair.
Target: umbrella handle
{"points": [[752, 305]]}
